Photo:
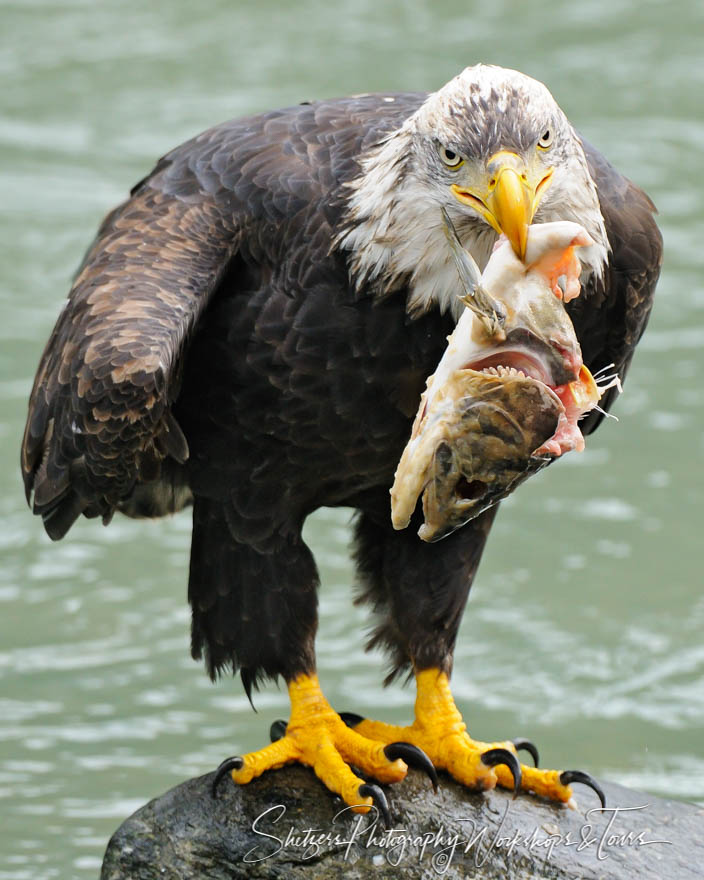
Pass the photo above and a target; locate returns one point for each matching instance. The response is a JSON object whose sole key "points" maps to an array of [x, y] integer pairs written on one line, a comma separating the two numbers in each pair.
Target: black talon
{"points": [[366, 789], [414, 757], [528, 746], [503, 756], [569, 776], [277, 730], [351, 719], [235, 763]]}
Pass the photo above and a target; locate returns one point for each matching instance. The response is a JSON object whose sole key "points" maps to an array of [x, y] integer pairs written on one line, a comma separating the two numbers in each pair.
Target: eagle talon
{"points": [[414, 757], [351, 719], [439, 731], [227, 766], [492, 757], [278, 730], [367, 789], [526, 745], [569, 776]]}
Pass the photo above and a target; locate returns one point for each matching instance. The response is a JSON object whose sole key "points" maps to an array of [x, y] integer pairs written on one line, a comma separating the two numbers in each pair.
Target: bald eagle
{"points": [[250, 333]]}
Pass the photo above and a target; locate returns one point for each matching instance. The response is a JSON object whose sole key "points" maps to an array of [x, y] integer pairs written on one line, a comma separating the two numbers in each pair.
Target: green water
{"points": [[584, 627]]}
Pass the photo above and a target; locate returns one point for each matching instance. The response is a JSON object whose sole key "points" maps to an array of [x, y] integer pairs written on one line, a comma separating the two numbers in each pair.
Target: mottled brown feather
{"points": [[105, 382]]}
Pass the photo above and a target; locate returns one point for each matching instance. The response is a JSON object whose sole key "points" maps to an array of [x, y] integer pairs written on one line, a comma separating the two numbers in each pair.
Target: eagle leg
{"points": [[317, 737], [438, 729]]}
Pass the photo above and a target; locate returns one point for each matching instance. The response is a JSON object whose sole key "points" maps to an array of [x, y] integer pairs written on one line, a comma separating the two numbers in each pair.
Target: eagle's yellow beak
{"points": [[509, 198]]}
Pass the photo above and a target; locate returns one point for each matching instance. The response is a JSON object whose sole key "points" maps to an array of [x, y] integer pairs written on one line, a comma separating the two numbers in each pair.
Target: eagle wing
{"points": [[612, 312], [99, 413], [100, 424]]}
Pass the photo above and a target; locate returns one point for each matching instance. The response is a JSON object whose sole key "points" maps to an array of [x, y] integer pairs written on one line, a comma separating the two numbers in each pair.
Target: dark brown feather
{"points": [[610, 315]]}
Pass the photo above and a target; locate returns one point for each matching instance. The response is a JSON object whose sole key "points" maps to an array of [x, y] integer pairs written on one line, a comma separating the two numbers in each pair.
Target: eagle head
{"points": [[492, 148]]}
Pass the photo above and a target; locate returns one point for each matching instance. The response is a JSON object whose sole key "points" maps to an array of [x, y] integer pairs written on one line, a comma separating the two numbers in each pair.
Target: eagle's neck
{"points": [[394, 236]]}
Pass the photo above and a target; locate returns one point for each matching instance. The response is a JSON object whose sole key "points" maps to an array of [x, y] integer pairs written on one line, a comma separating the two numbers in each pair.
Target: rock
{"points": [[286, 825]]}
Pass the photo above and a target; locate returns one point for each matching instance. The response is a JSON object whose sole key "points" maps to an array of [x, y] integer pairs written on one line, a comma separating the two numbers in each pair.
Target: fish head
{"points": [[485, 451]]}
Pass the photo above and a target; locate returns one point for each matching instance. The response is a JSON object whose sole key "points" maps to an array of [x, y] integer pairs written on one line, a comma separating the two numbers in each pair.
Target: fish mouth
{"points": [[511, 362]]}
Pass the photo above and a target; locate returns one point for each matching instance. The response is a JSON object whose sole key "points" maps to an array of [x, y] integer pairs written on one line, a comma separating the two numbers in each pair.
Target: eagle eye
{"points": [[450, 157], [546, 139]]}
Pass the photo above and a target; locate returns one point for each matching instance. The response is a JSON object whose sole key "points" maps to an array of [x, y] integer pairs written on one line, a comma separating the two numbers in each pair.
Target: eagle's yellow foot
{"points": [[441, 733], [317, 736]]}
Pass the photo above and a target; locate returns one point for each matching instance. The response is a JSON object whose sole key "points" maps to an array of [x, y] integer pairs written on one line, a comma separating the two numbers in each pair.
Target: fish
{"points": [[509, 390]]}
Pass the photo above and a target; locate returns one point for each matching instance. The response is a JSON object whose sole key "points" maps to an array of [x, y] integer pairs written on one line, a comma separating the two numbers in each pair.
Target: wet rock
{"points": [[286, 825]]}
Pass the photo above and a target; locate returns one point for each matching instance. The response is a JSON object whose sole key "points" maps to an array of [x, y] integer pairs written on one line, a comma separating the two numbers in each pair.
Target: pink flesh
{"points": [[567, 436], [567, 266]]}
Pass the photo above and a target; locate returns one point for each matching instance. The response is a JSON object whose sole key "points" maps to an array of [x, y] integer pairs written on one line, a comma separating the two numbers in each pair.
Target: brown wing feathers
{"points": [[99, 411], [99, 419]]}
